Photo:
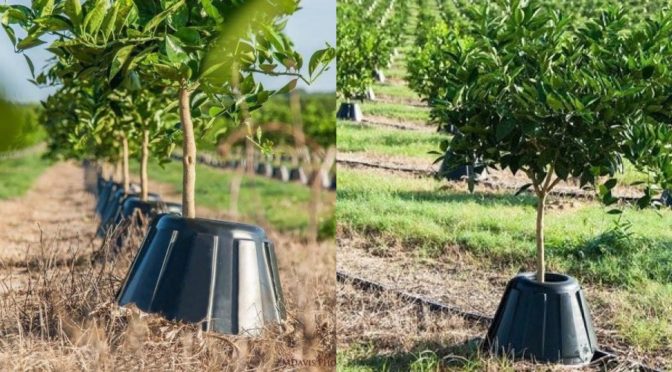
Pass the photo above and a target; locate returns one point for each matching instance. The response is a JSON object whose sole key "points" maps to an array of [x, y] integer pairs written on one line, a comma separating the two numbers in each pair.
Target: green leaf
{"points": [[176, 55], [109, 23], [119, 60], [614, 211], [503, 129], [73, 9], [554, 103], [648, 71], [167, 72], [188, 35], [154, 22], [10, 34], [29, 42], [30, 66], [55, 23], [288, 87], [211, 10], [94, 19], [523, 188], [48, 8], [611, 183]]}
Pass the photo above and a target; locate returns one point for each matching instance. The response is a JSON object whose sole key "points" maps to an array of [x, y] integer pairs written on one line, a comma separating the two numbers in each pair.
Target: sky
{"points": [[310, 28]]}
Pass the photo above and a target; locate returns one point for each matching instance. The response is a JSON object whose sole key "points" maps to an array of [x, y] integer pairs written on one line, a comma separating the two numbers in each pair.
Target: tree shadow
{"points": [[428, 354], [481, 198]]}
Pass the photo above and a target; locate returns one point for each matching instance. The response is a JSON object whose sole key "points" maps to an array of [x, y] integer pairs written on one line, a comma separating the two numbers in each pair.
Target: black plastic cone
{"points": [[106, 194], [281, 173], [111, 215], [298, 174], [349, 111], [148, 208], [222, 274], [547, 322]]}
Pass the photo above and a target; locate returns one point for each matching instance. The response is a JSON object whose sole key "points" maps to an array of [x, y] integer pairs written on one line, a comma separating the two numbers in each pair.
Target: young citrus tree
{"points": [[535, 91], [207, 52]]}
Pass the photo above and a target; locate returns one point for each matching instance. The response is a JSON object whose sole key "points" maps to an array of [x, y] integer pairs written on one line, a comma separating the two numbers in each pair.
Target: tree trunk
{"points": [[117, 171], [249, 157], [314, 208], [144, 181], [236, 183], [126, 175], [541, 263], [188, 157]]}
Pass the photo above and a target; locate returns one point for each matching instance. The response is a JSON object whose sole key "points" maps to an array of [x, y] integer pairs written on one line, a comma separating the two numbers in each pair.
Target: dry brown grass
{"points": [[63, 317], [58, 313]]}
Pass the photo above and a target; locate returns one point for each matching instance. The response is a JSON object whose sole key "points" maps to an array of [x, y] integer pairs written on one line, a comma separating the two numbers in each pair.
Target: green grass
{"points": [[360, 357], [632, 255], [395, 72], [398, 91], [396, 111], [500, 228], [382, 141], [18, 175], [282, 205]]}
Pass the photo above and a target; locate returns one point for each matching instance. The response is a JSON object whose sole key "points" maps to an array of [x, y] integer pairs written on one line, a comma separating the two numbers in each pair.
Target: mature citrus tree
{"points": [[535, 91]]}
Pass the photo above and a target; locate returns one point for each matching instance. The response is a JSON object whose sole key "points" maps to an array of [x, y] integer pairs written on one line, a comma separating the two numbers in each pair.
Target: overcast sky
{"points": [[310, 28]]}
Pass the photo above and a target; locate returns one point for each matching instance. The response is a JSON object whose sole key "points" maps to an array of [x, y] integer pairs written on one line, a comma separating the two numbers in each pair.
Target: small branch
{"points": [[293, 74]]}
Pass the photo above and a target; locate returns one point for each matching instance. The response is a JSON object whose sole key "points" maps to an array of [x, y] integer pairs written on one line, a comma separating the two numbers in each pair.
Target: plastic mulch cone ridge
{"points": [[221, 274], [547, 322]]}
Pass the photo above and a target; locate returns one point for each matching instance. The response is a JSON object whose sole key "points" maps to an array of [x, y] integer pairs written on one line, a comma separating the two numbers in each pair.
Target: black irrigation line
{"points": [[430, 173], [600, 356], [410, 127]]}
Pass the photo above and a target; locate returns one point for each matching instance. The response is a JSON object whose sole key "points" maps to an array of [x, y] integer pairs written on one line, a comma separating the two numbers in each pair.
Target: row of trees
{"points": [[138, 76], [368, 32], [551, 89]]}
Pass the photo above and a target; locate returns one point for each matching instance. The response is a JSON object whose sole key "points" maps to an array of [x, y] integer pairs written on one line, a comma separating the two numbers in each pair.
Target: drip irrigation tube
{"points": [[601, 357], [494, 184]]}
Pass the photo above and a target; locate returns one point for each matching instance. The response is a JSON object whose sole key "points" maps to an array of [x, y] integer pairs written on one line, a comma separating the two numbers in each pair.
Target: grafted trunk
{"points": [[124, 161], [188, 157], [144, 157], [541, 262]]}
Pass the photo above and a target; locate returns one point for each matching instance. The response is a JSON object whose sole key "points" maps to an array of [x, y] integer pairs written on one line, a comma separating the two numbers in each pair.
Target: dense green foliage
{"points": [[316, 115], [367, 32], [127, 68], [19, 126]]}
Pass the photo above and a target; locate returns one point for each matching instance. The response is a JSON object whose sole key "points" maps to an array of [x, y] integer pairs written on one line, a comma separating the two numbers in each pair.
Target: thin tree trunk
{"points": [[314, 208], [236, 183], [126, 175], [117, 171], [144, 181], [249, 158], [188, 157], [541, 263]]}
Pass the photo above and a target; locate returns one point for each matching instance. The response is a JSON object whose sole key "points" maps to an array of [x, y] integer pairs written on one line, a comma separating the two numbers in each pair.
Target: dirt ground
{"points": [[57, 309], [471, 289]]}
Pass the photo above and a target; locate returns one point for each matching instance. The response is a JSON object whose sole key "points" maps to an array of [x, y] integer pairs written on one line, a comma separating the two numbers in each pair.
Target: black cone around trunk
{"points": [[281, 173], [111, 215], [148, 208], [298, 174], [547, 322], [349, 111], [106, 194], [223, 275]]}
